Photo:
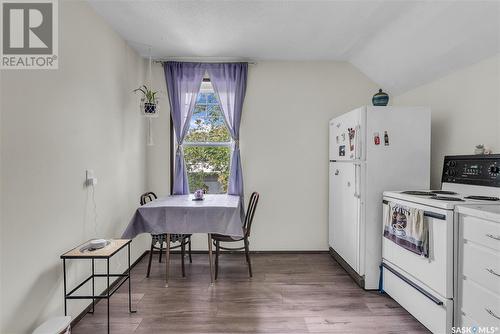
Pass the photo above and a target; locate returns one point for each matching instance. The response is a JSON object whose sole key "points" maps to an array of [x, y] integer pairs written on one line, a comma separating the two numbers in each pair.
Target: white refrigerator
{"points": [[372, 149]]}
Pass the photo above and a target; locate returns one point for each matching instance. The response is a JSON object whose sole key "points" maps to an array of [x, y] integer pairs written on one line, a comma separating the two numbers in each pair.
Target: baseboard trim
{"points": [[255, 252], [111, 286], [360, 280]]}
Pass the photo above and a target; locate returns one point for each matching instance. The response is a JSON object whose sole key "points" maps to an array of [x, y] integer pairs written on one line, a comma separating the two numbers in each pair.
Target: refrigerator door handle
{"points": [[357, 185], [358, 147]]}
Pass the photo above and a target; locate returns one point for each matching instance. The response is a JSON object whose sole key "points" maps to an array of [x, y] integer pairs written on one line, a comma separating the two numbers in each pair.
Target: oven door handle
{"points": [[434, 215], [413, 285], [426, 213]]}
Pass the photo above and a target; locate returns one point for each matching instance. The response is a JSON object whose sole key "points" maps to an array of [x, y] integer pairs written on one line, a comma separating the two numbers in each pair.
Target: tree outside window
{"points": [[207, 146]]}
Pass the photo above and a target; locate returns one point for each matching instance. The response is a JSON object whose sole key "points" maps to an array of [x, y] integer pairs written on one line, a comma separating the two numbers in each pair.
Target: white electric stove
{"points": [[425, 286]]}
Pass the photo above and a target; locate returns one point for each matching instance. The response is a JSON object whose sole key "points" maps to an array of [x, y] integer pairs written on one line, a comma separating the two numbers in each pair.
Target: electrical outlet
{"points": [[90, 179]]}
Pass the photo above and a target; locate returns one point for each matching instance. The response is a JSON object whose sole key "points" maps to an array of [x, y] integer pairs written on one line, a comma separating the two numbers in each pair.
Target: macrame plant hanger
{"points": [[152, 111]]}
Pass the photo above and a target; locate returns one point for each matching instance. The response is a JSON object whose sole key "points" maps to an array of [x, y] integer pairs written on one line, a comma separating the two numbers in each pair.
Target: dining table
{"points": [[184, 214]]}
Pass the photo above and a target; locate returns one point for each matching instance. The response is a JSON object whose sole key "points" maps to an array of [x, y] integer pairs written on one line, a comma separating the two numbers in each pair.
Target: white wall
{"points": [[158, 155], [54, 125], [465, 111], [284, 147]]}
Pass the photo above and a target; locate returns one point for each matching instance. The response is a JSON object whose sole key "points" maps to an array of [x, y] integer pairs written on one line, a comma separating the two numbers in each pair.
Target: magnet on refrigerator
{"points": [[352, 133], [342, 150]]}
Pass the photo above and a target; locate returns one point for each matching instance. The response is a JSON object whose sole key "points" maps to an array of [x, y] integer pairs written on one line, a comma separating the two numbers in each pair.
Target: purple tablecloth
{"points": [[179, 214]]}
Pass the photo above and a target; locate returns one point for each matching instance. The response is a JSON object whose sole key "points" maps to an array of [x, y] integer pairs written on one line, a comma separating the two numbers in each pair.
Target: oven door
{"points": [[436, 271]]}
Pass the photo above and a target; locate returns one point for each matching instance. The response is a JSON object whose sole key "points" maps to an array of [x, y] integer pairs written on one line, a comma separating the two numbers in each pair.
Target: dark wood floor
{"points": [[289, 293]]}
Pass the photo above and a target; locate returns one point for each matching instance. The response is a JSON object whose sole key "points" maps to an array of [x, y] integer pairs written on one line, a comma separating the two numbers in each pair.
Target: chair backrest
{"points": [[147, 197], [252, 205]]}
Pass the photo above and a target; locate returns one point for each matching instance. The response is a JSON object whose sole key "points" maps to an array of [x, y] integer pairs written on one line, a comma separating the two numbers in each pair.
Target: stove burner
{"points": [[483, 198], [417, 193], [447, 198], [444, 192]]}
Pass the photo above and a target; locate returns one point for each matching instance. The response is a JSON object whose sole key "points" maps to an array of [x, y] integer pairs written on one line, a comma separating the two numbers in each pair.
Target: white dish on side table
{"points": [[95, 244], [98, 243]]}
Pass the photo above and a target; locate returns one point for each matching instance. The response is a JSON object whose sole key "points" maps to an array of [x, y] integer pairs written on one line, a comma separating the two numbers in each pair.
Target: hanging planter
{"points": [[149, 108], [149, 101]]}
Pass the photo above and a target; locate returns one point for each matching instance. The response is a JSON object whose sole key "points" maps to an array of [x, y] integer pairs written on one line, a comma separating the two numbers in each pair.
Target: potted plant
{"points": [[149, 101]]}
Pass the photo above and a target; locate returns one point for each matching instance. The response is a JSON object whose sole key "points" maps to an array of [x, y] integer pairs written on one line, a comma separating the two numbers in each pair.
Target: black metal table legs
{"points": [[64, 278], [107, 289], [129, 284], [110, 290]]}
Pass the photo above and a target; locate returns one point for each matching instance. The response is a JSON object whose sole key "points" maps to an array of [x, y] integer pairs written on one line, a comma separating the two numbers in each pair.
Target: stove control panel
{"points": [[480, 170]]}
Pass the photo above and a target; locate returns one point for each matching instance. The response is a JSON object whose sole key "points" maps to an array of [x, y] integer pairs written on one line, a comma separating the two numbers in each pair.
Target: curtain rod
{"points": [[160, 61], [195, 59]]}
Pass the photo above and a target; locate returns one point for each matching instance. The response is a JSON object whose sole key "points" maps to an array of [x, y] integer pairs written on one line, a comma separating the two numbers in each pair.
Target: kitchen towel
{"points": [[407, 228]]}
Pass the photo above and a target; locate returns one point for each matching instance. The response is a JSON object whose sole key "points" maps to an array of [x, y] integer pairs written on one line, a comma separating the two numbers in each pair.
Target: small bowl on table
{"points": [[199, 195]]}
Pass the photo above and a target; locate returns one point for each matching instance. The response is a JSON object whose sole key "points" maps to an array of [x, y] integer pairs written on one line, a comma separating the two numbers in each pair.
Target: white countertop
{"points": [[489, 212]]}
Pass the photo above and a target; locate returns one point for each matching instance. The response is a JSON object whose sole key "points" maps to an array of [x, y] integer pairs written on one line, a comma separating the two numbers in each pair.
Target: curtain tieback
{"points": [[179, 149], [237, 143]]}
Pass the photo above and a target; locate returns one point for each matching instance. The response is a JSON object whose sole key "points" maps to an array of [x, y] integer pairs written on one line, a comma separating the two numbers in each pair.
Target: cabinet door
{"points": [[344, 213]]}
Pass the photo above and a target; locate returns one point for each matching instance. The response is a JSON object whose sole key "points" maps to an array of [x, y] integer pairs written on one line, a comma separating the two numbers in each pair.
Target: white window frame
{"points": [[228, 144], [215, 144]]}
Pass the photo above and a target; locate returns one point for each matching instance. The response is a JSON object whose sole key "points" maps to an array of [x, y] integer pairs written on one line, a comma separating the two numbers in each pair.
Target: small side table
{"points": [[99, 254]]}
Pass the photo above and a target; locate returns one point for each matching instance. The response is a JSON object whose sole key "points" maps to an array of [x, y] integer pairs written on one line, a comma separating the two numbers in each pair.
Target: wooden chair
{"points": [[247, 225], [160, 239]]}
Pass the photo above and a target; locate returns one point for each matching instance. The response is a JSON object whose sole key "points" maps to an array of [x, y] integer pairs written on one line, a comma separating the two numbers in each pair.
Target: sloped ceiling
{"points": [[397, 44]]}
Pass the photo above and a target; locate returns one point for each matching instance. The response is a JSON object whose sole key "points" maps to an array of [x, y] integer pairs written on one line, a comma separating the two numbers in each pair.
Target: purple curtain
{"points": [[183, 85], [230, 81]]}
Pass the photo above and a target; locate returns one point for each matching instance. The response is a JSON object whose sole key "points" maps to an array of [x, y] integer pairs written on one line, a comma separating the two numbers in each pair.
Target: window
{"points": [[207, 146]]}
